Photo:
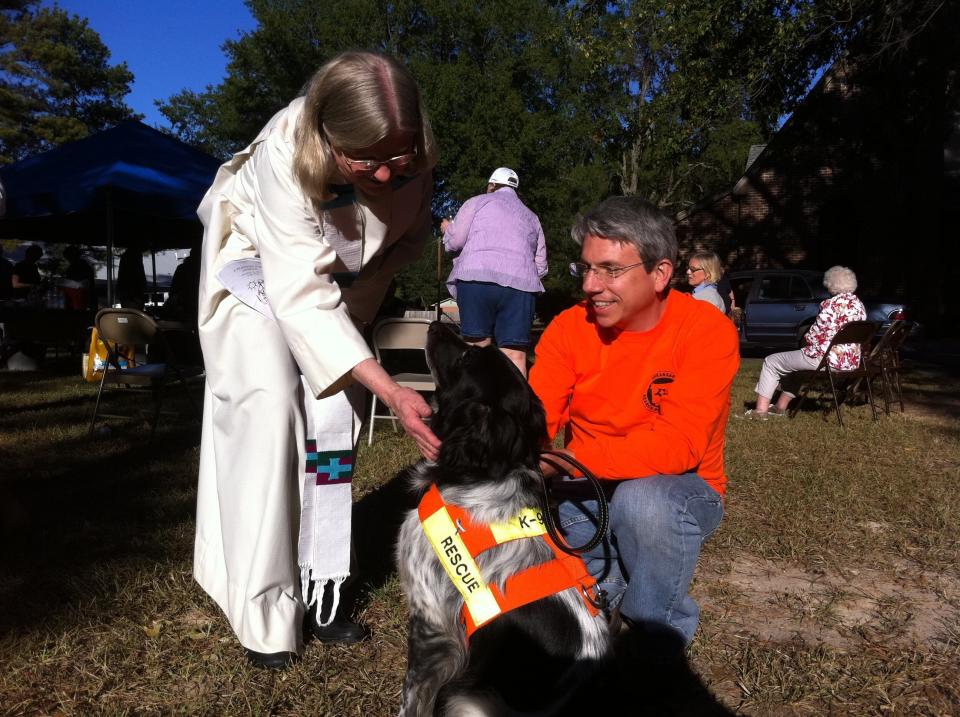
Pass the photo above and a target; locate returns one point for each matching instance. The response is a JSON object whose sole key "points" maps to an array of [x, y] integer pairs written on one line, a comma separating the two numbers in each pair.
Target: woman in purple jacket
{"points": [[500, 258]]}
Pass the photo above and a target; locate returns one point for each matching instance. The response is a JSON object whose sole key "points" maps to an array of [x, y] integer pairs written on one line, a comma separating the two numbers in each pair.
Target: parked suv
{"points": [[779, 305]]}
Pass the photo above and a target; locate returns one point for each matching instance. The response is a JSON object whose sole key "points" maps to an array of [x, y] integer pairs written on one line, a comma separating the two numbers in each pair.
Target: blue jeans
{"points": [[646, 561]]}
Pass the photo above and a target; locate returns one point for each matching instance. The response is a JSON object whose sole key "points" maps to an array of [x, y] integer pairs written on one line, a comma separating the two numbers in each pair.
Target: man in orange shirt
{"points": [[639, 378]]}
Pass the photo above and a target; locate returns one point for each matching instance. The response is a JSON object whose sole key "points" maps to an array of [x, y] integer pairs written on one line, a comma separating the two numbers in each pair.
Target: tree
{"points": [[506, 87], [56, 83], [660, 98], [502, 81], [692, 73]]}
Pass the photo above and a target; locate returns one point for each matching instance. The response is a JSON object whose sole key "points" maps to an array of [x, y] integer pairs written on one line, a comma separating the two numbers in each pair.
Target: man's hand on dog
{"points": [[411, 409]]}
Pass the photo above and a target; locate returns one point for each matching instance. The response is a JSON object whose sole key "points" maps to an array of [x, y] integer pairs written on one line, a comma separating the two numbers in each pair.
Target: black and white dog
{"points": [[532, 659]]}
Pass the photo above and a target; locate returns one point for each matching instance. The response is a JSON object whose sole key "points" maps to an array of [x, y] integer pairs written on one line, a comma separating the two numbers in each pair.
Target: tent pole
{"points": [[110, 300], [153, 260], [439, 275]]}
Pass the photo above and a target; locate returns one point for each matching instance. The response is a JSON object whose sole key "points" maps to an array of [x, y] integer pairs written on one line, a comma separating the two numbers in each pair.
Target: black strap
{"points": [[603, 512]]}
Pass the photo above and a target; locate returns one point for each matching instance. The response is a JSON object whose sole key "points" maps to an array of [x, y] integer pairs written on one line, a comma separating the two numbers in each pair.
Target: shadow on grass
{"points": [[650, 675], [77, 511], [940, 400], [376, 524]]}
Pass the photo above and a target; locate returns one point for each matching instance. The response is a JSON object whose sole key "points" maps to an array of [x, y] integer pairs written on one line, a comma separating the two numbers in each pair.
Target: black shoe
{"points": [[340, 631], [271, 660]]}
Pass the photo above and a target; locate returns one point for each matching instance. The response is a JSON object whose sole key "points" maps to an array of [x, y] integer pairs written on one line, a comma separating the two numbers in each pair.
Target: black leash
{"points": [[603, 512]]}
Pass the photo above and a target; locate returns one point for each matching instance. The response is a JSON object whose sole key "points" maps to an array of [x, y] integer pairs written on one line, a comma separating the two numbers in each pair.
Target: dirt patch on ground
{"points": [[762, 599], [930, 393]]}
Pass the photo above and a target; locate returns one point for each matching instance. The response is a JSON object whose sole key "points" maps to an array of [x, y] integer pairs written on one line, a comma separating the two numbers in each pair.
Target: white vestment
{"points": [[326, 269]]}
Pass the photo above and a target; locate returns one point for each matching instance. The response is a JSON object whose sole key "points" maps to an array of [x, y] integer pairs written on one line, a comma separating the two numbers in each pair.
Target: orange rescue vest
{"points": [[457, 539]]}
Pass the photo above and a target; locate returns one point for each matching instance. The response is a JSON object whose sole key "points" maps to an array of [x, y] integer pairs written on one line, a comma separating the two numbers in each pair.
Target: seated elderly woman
{"points": [[842, 307], [703, 273]]}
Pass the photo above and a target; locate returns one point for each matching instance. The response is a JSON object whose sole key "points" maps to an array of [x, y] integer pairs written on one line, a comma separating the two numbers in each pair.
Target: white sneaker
{"points": [[754, 415]]}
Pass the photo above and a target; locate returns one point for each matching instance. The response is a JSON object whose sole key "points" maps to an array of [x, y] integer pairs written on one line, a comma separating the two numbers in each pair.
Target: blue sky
{"points": [[169, 45]]}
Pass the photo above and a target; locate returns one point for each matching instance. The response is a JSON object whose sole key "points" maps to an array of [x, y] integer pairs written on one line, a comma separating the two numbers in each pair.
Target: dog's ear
{"points": [[489, 419], [466, 436], [494, 439], [519, 430]]}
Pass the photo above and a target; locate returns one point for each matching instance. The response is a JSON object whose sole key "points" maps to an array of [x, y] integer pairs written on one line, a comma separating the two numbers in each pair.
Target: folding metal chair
{"points": [[129, 327], [884, 361], [854, 332], [392, 336]]}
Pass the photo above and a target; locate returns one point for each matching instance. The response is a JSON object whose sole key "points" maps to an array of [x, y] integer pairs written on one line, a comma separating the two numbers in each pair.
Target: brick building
{"points": [[866, 173]]}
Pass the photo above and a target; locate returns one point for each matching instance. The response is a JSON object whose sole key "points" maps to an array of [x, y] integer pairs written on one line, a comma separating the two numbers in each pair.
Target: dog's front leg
{"points": [[434, 657]]}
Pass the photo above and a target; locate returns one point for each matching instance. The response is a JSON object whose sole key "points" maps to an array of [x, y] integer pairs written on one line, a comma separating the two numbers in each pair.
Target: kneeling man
{"points": [[639, 379]]}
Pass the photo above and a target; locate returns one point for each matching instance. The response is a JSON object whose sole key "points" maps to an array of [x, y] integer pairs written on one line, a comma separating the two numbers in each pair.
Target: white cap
{"points": [[504, 175]]}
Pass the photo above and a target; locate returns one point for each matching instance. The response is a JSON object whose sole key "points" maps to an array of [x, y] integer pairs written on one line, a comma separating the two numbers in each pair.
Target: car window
{"points": [[784, 288], [799, 291], [774, 288]]}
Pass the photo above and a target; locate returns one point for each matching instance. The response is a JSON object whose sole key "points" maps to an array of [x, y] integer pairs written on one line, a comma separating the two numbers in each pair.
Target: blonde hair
{"points": [[352, 102], [710, 263]]}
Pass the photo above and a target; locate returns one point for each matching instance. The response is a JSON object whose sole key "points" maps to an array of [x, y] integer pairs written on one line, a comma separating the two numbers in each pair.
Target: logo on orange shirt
{"points": [[657, 390]]}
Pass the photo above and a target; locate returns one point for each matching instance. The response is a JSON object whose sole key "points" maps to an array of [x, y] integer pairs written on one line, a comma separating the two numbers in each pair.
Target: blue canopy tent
{"points": [[127, 186]]}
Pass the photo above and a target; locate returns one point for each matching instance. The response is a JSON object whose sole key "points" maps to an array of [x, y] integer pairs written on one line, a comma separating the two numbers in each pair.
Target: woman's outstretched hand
{"points": [[410, 407], [406, 404]]}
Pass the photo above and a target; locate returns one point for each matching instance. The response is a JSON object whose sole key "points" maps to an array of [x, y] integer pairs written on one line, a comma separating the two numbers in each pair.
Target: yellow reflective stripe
{"points": [[460, 566], [526, 524]]}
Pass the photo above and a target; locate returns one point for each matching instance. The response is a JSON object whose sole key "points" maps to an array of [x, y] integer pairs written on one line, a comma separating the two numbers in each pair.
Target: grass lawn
{"points": [[832, 586]]}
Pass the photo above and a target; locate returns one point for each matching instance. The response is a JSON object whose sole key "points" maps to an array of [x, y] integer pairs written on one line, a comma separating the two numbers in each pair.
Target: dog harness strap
{"points": [[540, 581], [478, 537], [578, 574], [457, 539], [478, 600]]}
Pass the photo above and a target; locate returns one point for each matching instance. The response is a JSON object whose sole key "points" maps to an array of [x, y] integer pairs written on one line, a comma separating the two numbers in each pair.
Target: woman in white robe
{"points": [[320, 211]]}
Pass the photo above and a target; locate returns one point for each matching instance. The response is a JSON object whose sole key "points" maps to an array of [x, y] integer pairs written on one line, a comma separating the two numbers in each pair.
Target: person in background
{"points": [[703, 272], [330, 200], [725, 289], [842, 307], [26, 273], [181, 308], [6, 276], [131, 278], [637, 379], [501, 258], [80, 271], [184, 295]]}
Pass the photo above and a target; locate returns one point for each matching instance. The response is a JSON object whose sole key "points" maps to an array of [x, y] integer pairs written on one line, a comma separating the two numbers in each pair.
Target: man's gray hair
{"points": [[630, 220]]}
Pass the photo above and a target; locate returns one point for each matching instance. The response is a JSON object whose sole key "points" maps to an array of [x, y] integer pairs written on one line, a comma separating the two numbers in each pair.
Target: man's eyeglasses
{"points": [[579, 270], [400, 163], [694, 269]]}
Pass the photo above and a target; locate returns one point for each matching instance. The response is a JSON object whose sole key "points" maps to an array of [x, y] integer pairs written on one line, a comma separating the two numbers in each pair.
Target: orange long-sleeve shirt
{"points": [[641, 403]]}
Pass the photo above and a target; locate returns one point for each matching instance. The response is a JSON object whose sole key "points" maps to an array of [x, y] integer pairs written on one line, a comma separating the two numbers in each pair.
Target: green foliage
{"points": [[56, 83], [503, 85], [502, 81], [421, 284], [582, 99], [689, 72], [722, 159]]}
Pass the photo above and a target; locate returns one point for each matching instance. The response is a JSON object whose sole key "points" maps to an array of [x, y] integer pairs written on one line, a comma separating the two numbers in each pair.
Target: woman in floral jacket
{"points": [[842, 307]]}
